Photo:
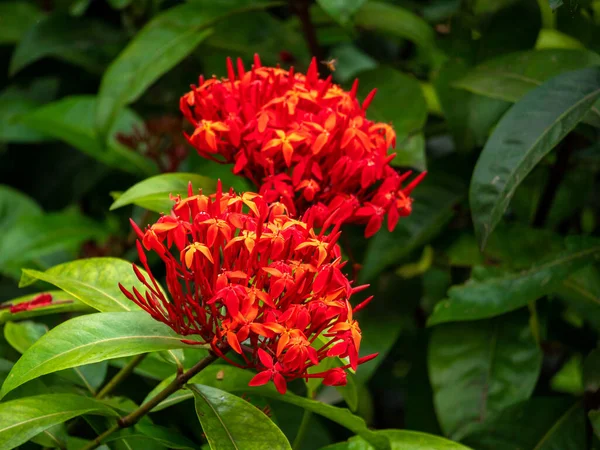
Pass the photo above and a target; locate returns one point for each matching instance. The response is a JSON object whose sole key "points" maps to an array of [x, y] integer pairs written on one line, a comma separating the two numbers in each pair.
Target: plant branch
{"points": [[302, 9], [120, 376], [135, 416]]}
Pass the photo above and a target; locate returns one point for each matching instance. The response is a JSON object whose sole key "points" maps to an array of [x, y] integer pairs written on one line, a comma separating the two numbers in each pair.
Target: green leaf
{"points": [[581, 292], [554, 4], [411, 153], [591, 371], [233, 379], [153, 193], [477, 369], [232, 423], [34, 237], [61, 303], [93, 281], [157, 48], [479, 299], [341, 10], [87, 43], [22, 419], [511, 76], [71, 119], [394, 89], [396, 21], [526, 133], [434, 200], [14, 205], [154, 433], [22, 335], [537, 424], [89, 339], [401, 440], [350, 61], [15, 19], [569, 379]]}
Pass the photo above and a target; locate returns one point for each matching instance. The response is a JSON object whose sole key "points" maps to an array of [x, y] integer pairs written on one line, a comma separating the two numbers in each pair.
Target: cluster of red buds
{"points": [[39, 301], [303, 141], [244, 275]]}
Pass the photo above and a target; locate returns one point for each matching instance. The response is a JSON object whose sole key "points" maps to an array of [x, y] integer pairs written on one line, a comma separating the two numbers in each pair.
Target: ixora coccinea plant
{"points": [[245, 276], [301, 140]]}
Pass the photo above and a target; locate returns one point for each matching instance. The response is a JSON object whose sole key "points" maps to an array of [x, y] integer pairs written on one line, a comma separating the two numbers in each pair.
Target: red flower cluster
{"points": [[303, 141], [244, 275], [38, 301]]}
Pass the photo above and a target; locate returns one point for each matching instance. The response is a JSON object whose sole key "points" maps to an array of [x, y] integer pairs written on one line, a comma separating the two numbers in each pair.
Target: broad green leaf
{"points": [[401, 440], [87, 43], [34, 237], [14, 205], [89, 339], [153, 193], [158, 47], [434, 200], [410, 152], [15, 19], [61, 303], [479, 299], [479, 368], [537, 424], [22, 419], [93, 281], [581, 292], [341, 10], [396, 21], [71, 119], [350, 62], [145, 433], [524, 135], [569, 379], [510, 77], [399, 99], [230, 422], [232, 379]]}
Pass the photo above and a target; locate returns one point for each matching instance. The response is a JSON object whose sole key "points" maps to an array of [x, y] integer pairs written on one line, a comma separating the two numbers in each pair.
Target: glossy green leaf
{"points": [[87, 43], [144, 433], [479, 299], [581, 292], [232, 379], [410, 152], [15, 19], [434, 200], [89, 339], [158, 47], [401, 440], [22, 335], [230, 422], [71, 119], [14, 205], [341, 10], [509, 77], [61, 303], [479, 368], [93, 281], [396, 21], [22, 419], [526, 133], [394, 88], [34, 237], [537, 424], [153, 193]]}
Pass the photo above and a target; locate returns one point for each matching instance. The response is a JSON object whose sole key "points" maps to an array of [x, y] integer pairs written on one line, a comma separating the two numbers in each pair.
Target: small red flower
{"points": [[304, 141], [244, 275]]}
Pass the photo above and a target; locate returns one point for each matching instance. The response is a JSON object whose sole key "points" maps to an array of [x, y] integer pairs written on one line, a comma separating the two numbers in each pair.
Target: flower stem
{"points": [[302, 9], [120, 376], [135, 416], [302, 430]]}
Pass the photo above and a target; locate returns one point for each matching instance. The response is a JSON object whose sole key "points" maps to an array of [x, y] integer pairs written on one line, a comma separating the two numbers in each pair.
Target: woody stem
{"points": [[135, 416], [120, 376]]}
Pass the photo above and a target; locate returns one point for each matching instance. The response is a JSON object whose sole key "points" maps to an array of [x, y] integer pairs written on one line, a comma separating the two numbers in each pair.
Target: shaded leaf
{"points": [[526, 133], [22, 419], [71, 119], [411, 153], [89, 339], [581, 292], [87, 43], [537, 424], [15, 19], [341, 10], [144, 433], [401, 440], [479, 368], [232, 423], [22, 335], [479, 299], [350, 62], [591, 371], [14, 205], [153, 193], [94, 281]]}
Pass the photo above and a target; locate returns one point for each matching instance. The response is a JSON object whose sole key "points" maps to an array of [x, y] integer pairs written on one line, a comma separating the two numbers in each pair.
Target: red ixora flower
{"points": [[244, 275], [303, 141]]}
